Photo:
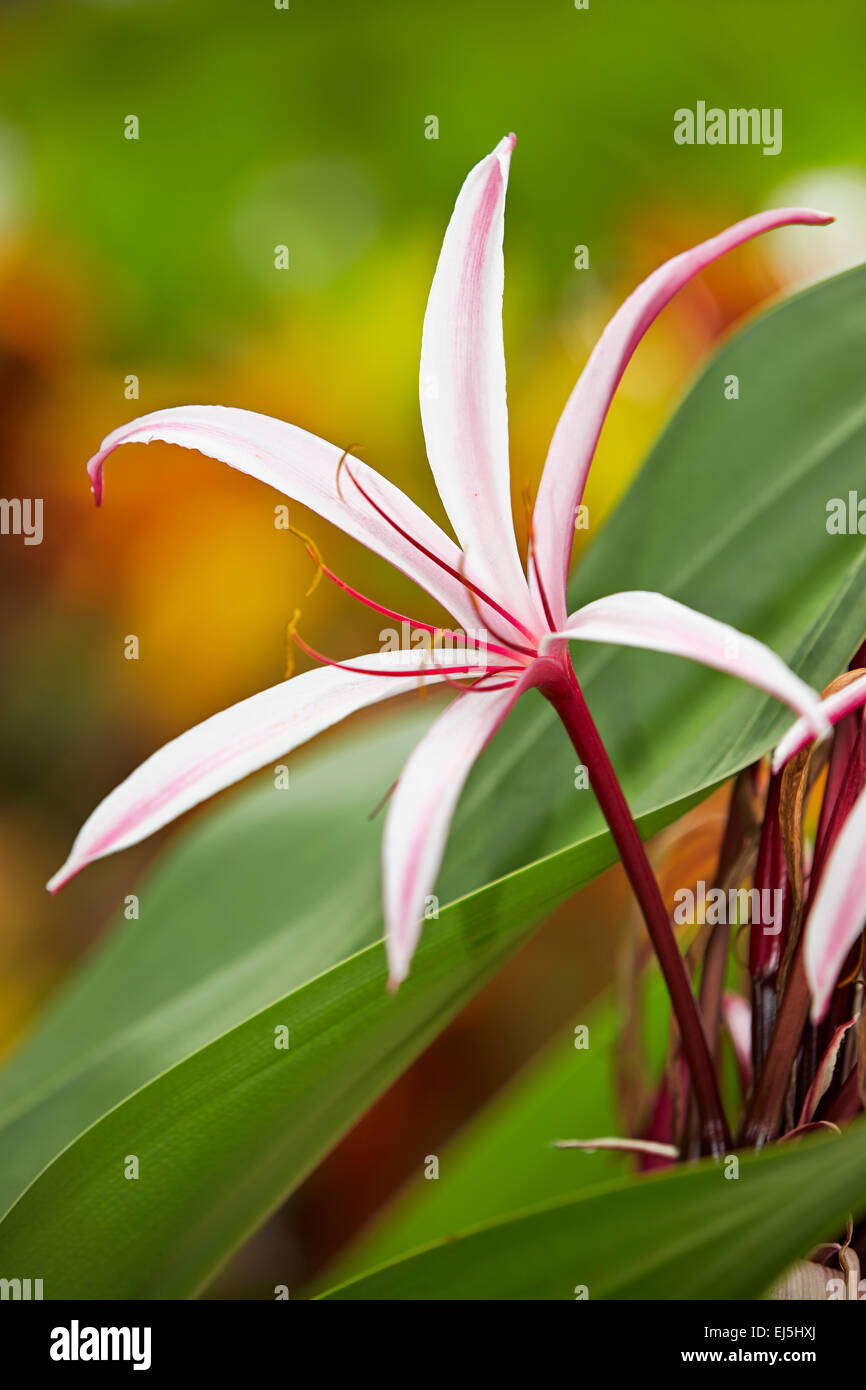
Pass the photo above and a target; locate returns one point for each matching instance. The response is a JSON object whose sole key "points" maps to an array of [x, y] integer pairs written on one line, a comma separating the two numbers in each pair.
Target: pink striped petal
{"points": [[422, 808], [462, 386], [838, 913], [737, 1013], [304, 468], [835, 707], [227, 747], [576, 435], [640, 618]]}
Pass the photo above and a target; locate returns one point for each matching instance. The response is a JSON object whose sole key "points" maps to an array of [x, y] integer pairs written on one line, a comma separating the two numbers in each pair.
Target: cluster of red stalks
{"points": [[796, 1076]]}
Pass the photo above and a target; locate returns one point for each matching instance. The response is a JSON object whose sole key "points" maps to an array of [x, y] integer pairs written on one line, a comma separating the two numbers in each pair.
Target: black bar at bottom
{"points": [[239, 1338]]}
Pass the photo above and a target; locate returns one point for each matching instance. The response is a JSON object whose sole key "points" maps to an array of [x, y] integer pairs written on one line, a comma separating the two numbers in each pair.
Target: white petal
{"points": [[835, 707], [648, 1147], [229, 746], [838, 913], [737, 1013], [462, 386], [304, 468], [576, 435], [641, 618], [421, 810]]}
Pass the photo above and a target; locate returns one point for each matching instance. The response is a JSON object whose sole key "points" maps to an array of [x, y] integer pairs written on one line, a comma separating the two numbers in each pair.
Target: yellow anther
{"points": [[345, 454], [290, 650], [315, 555], [528, 509]]}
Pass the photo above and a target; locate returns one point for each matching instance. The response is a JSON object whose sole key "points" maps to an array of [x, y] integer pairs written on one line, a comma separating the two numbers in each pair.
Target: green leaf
{"points": [[273, 903], [503, 1161], [218, 1137], [687, 1233], [244, 908]]}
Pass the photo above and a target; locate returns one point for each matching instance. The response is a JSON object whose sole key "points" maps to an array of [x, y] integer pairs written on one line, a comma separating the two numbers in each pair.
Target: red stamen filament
{"points": [[515, 646], [530, 532], [541, 593], [478, 686], [401, 617], [345, 454], [443, 564], [418, 671]]}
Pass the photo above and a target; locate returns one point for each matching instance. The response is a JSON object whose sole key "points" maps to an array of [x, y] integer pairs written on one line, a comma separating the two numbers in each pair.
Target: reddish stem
{"points": [[738, 828], [567, 699], [765, 1108], [765, 951]]}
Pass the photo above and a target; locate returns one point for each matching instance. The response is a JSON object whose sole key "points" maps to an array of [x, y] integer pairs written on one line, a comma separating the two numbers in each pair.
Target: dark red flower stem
{"points": [[739, 828], [765, 951], [764, 1114], [567, 699]]}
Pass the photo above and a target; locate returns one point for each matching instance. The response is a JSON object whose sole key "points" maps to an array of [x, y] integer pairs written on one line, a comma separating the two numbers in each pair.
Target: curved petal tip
{"points": [[809, 217], [63, 875], [94, 473], [503, 152]]}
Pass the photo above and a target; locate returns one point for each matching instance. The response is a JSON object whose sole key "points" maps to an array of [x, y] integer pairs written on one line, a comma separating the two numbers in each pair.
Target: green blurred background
{"points": [[155, 257]]}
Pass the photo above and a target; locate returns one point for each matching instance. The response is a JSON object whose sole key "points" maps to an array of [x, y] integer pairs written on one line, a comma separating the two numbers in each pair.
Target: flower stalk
{"points": [[788, 1052], [567, 699]]}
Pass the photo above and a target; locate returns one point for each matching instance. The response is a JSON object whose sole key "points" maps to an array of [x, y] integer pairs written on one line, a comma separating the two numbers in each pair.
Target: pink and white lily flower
{"points": [[480, 581], [837, 915]]}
